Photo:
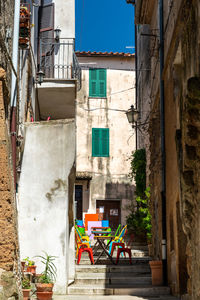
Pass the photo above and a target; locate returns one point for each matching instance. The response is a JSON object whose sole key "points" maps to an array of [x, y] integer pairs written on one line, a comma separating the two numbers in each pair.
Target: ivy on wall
{"points": [[139, 219], [138, 170]]}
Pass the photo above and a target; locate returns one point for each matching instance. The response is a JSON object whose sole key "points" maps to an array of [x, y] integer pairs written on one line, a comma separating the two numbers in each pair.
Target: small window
{"points": [[100, 142], [97, 83]]}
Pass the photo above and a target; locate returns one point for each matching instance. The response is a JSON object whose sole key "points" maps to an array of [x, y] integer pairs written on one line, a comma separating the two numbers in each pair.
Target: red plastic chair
{"points": [[115, 244], [82, 249], [123, 250]]}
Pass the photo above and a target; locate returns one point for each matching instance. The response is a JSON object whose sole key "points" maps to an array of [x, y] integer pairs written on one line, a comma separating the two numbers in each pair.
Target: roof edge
{"points": [[103, 54]]}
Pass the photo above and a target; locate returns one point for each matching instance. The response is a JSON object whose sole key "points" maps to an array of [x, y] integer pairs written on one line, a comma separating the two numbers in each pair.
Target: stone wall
{"points": [[181, 77], [9, 251], [6, 21]]}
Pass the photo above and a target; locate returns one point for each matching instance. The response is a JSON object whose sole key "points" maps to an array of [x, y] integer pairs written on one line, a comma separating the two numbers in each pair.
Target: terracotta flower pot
{"points": [[44, 287], [31, 269], [156, 272], [26, 293], [44, 295]]}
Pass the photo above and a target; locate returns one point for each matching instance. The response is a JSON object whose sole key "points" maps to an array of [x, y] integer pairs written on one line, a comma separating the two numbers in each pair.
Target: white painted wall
{"points": [[48, 160], [65, 17], [100, 113]]}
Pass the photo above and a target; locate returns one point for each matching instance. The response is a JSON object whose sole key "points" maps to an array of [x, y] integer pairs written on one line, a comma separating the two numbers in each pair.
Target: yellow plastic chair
{"points": [[80, 243], [82, 237]]}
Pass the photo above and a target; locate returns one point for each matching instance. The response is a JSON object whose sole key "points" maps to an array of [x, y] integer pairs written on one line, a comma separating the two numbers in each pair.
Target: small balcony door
{"points": [[78, 202]]}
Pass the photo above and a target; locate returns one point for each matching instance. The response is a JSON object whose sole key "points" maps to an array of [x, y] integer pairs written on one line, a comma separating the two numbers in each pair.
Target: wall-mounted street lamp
{"points": [[57, 33], [132, 115], [40, 77]]}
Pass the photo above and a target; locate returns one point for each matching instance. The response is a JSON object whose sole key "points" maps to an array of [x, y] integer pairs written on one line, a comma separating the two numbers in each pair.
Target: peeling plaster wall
{"points": [[109, 174], [46, 194]]}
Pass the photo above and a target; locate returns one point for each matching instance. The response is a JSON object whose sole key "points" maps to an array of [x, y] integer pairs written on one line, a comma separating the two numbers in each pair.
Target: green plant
{"points": [[26, 284], [29, 262], [50, 270], [139, 220], [138, 170]]}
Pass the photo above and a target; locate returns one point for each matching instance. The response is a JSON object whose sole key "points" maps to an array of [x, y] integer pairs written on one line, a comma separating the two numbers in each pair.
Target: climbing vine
{"points": [[139, 219], [138, 170]]}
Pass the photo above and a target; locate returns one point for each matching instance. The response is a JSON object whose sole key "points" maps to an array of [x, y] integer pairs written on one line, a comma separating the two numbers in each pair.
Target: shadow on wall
{"points": [[119, 191]]}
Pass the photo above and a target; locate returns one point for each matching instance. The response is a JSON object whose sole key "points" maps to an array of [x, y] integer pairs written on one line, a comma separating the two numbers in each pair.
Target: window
{"points": [[100, 142], [46, 35], [97, 83]]}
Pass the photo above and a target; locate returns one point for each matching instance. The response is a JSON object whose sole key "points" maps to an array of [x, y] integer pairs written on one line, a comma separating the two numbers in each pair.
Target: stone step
{"points": [[111, 297], [123, 269], [125, 261], [112, 278], [139, 247], [118, 290], [134, 253]]}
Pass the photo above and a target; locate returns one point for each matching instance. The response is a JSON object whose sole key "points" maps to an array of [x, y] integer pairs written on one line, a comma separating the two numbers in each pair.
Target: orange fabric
{"points": [[90, 217]]}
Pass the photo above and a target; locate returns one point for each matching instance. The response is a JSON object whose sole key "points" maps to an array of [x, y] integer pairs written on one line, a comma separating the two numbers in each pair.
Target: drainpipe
{"points": [[14, 85], [136, 74], [136, 85], [163, 154]]}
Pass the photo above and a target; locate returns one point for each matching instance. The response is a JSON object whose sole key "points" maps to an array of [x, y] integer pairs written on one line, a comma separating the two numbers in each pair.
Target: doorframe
{"points": [[111, 199]]}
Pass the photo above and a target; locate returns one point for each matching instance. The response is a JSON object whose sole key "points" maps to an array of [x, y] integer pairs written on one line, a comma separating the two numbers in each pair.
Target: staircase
{"points": [[121, 279]]}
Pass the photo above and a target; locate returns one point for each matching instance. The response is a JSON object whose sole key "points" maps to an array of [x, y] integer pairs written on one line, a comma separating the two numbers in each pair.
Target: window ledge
{"points": [[97, 97], [101, 156]]}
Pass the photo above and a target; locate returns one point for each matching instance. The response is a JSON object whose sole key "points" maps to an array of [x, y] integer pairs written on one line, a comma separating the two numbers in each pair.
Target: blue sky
{"points": [[104, 25]]}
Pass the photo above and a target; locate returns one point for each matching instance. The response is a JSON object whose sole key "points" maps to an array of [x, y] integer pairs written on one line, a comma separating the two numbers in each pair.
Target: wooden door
{"points": [[109, 210], [78, 202]]}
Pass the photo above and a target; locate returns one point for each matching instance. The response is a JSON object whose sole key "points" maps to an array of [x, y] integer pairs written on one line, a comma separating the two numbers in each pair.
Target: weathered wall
{"points": [[65, 17], [6, 21], [182, 84], [9, 251], [46, 195], [109, 174]]}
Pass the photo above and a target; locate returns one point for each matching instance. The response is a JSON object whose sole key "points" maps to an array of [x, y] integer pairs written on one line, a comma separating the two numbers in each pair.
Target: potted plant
{"points": [[156, 272], [46, 280], [26, 288], [30, 265]]}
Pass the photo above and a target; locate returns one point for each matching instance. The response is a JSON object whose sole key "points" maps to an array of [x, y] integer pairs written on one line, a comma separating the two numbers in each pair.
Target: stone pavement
{"points": [[117, 297]]}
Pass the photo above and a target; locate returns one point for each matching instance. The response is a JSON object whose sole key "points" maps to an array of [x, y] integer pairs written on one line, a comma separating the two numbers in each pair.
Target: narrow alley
{"points": [[99, 150]]}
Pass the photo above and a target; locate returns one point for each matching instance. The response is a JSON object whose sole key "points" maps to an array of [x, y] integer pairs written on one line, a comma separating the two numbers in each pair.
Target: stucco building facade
{"points": [[105, 140], [38, 161], [168, 49]]}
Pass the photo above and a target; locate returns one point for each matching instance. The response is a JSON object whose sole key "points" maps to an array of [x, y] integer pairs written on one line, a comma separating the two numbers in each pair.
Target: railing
{"points": [[58, 60]]}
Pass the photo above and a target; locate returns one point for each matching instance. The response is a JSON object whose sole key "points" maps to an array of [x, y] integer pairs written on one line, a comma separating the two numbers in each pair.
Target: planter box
{"points": [[156, 272]]}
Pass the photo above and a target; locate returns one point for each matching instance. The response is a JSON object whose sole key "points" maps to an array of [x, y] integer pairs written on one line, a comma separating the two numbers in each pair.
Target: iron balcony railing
{"points": [[58, 60]]}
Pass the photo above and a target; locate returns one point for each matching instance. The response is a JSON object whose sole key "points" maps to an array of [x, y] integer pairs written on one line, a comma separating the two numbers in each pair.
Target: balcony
{"points": [[57, 93]]}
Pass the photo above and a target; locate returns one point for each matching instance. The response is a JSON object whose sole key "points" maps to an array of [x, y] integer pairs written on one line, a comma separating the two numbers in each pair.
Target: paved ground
{"points": [[117, 297]]}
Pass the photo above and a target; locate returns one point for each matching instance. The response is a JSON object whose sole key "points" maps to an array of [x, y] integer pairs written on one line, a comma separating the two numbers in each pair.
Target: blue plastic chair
{"points": [[79, 222], [118, 238], [105, 223]]}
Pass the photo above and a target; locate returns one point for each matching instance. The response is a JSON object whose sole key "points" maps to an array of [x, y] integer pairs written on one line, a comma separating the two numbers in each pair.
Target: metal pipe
{"points": [[162, 133], [136, 75], [136, 83], [15, 53]]}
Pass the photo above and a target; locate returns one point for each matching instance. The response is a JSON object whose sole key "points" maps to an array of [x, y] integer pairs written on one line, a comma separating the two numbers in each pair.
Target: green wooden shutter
{"points": [[97, 83], [102, 83], [95, 142], [93, 83], [100, 142], [104, 142]]}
